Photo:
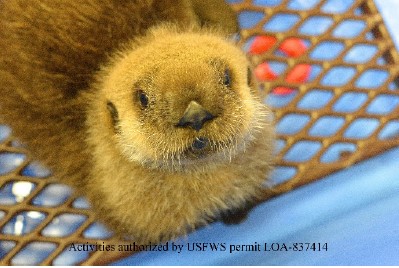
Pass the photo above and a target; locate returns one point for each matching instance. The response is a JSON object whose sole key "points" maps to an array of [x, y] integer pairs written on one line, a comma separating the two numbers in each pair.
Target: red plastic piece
{"points": [[293, 47], [263, 72], [299, 74], [283, 91], [261, 44]]}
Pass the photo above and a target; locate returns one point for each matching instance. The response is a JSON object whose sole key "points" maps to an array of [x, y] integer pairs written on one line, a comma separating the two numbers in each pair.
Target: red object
{"points": [[263, 72], [283, 91], [293, 47], [261, 44], [299, 74]]}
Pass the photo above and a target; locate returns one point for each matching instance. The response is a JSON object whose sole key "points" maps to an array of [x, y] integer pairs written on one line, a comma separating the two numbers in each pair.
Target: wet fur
{"points": [[61, 62]]}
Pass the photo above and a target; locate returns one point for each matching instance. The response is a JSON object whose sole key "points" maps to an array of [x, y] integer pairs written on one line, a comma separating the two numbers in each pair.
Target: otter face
{"points": [[182, 102]]}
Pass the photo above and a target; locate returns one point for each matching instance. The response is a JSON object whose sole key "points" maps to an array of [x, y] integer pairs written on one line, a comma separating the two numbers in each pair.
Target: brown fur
{"points": [[61, 62]]}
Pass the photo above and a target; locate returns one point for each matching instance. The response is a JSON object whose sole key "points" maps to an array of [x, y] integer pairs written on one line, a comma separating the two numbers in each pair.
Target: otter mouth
{"points": [[200, 144], [200, 147]]}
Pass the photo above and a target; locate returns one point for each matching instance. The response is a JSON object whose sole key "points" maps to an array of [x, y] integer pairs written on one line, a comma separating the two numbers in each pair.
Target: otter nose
{"points": [[195, 116]]}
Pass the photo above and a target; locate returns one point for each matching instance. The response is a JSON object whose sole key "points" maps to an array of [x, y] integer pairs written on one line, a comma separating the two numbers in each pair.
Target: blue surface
{"points": [[355, 211]]}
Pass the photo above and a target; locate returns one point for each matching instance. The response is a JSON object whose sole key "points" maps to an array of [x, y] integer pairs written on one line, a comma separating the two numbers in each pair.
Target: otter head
{"points": [[180, 100]]}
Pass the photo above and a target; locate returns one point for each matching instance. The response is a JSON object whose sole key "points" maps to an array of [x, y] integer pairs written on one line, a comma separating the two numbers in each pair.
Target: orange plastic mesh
{"points": [[337, 108], [345, 108]]}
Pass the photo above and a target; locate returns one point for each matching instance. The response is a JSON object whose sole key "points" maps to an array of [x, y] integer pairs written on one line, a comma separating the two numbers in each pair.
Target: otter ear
{"points": [[114, 116]]}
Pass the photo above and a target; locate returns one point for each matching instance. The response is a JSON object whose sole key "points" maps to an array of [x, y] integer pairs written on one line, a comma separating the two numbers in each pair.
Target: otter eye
{"points": [[142, 97], [227, 77]]}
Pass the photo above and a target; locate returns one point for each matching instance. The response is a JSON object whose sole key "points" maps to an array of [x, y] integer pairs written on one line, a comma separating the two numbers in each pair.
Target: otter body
{"points": [[147, 113]]}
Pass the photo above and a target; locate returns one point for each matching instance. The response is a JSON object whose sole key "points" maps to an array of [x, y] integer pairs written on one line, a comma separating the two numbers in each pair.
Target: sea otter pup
{"points": [[144, 107]]}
